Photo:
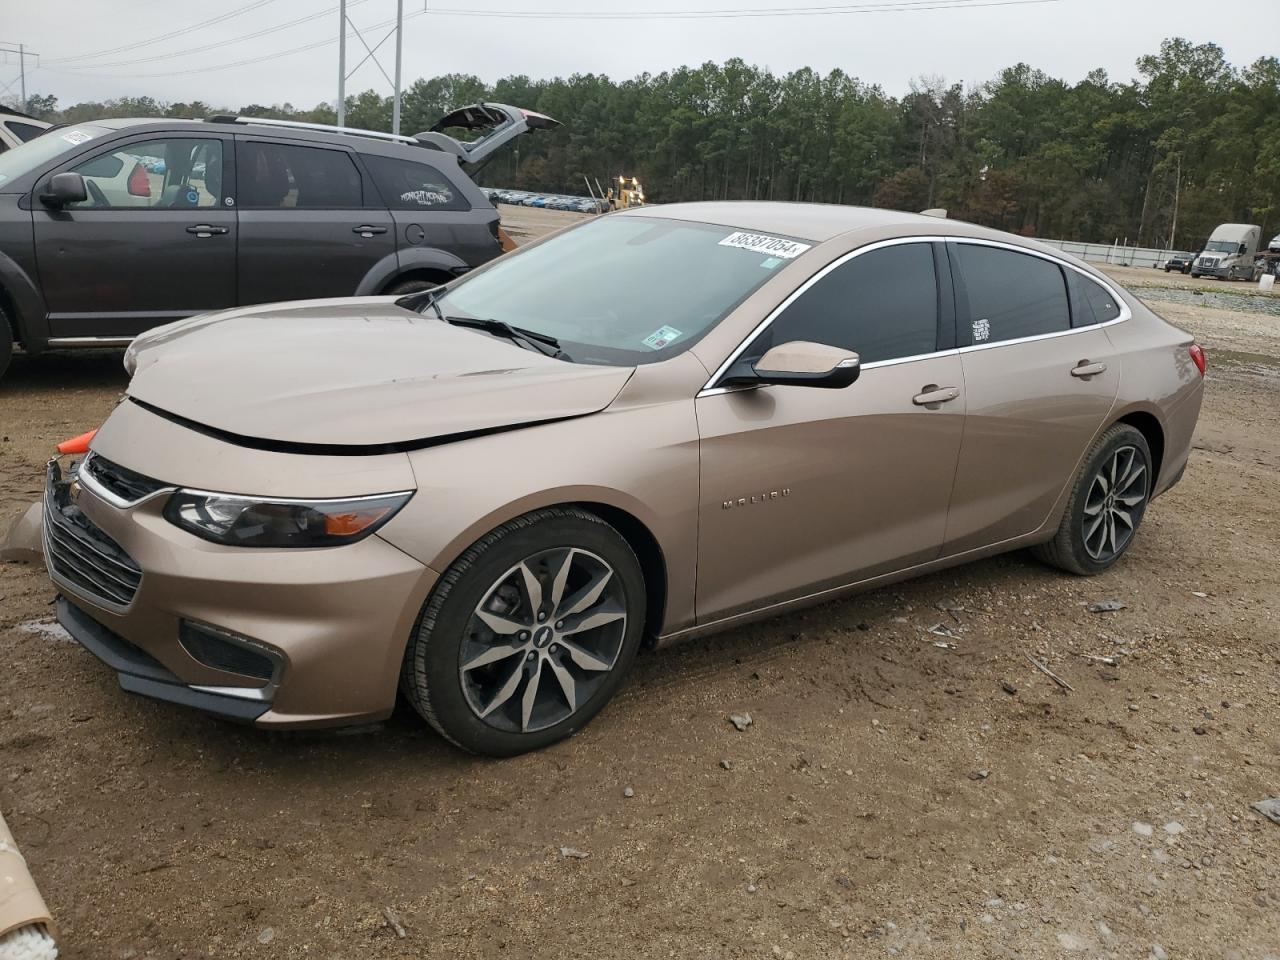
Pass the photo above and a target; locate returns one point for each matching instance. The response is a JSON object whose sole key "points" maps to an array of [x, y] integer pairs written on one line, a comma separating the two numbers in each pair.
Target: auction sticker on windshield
{"points": [[760, 243], [661, 337], [77, 137]]}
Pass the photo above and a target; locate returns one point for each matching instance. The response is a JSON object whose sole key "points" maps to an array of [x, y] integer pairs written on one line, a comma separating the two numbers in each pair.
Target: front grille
{"points": [[126, 484], [79, 555]]}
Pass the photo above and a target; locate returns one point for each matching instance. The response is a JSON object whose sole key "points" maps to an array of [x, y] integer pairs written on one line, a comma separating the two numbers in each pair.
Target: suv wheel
{"points": [[528, 635], [410, 286], [1107, 504]]}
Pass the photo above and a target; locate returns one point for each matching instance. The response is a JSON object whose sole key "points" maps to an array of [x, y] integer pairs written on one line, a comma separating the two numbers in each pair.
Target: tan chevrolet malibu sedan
{"points": [[661, 422]]}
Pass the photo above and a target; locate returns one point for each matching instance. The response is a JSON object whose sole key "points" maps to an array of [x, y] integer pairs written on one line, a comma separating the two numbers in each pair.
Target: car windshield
{"points": [[1222, 246], [26, 157], [625, 289]]}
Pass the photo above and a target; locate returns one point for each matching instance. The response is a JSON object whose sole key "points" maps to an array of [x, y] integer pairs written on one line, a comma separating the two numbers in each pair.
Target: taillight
{"points": [[1197, 357]]}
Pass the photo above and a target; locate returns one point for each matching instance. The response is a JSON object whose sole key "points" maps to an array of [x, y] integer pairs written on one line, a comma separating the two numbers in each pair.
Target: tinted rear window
{"points": [[1093, 302], [24, 131], [410, 185], [882, 305], [273, 175], [1011, 295]]}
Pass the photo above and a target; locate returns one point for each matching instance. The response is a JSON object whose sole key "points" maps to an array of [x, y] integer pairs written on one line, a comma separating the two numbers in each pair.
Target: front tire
{"points": [[6, 342], [528, 634], [1108, 501]]}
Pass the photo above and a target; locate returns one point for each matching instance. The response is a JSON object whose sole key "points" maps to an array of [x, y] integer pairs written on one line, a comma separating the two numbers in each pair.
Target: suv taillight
{"points": [[1197, 357]]}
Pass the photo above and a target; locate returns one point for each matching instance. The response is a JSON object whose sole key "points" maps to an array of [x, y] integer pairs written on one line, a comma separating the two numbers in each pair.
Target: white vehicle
{"points": [[1230, 253], [17, 128], [1274, 245]]}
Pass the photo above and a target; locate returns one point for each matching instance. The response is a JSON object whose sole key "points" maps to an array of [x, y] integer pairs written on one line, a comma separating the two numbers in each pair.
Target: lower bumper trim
{"points": [[138, 672]]}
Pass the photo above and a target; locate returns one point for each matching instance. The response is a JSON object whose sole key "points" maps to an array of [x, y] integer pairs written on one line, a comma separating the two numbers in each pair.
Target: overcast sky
{"points": [[968, 43]]}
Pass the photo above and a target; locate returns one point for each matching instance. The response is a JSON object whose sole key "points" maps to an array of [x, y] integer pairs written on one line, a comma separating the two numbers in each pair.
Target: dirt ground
{"points": [[893, 797]]}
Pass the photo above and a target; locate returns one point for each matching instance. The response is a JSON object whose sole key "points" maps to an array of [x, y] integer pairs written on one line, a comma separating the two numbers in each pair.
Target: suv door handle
{"points": [[207, 230], [1084, 369], [368, 229], [933, 394]]}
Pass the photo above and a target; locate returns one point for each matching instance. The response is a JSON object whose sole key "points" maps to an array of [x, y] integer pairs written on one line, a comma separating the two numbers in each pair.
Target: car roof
{"points": [[806, 221]]}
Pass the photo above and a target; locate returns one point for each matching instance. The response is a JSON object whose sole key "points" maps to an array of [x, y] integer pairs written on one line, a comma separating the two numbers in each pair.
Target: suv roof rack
{"points": [[300, 125]]}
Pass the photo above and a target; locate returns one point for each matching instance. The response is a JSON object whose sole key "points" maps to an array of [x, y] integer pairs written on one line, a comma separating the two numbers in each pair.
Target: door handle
{"points": [[932, 395], [368, 229], [1084, 369], [207, 230]]}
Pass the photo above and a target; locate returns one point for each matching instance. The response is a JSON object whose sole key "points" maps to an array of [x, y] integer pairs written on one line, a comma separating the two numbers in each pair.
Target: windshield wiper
{"points": [[541, 342], [423, 298]]}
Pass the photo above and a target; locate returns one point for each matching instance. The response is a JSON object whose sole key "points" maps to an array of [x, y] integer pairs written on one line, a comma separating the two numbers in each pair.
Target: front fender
{"points": [[31, 321], [642, 461], [403, 261]]}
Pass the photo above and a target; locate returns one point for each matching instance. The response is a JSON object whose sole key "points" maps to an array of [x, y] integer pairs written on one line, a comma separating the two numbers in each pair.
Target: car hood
{"points": [[360, 373]]}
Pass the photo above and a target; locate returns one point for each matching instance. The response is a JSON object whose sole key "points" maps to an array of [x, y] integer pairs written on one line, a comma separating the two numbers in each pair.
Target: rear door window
{"points": [[411, 185], [882, 305], [1011, 295], [280, 176]]}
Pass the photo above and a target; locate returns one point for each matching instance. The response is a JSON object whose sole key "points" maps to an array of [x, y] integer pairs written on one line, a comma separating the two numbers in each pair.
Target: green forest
{"points": [[1191, 141]]}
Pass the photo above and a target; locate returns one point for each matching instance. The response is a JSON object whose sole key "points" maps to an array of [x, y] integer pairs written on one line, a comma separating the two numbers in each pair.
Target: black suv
{"points": [[112, 227]]}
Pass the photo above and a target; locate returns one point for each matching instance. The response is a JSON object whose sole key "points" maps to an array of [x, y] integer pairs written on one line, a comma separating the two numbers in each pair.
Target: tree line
{"points": [[1160, 160]]}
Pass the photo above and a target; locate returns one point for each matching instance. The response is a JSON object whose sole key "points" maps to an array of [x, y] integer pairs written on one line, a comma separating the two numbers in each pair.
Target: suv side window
{"points": [[175, 173], [1011, 295], [882, 305], [411, 185], [276, 175], [1091, 302]]}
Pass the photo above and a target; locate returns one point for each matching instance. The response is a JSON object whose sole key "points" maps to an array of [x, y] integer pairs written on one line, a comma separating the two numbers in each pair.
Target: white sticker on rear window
{"points": [[759, 243], [662, 337], [77, 137]]}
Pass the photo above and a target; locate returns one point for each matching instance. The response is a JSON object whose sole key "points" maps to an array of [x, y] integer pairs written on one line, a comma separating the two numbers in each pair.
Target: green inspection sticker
{"points": [[771, 263]]}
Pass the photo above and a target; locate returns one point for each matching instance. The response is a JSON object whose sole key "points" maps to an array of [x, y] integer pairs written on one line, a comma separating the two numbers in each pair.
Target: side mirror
{"points": [[65, 188], [798, 364]]}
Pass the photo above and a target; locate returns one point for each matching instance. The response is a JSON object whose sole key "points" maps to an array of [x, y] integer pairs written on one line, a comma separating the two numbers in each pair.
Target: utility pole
{"points": [[21, 50], [342, 63], [395, 108], [1177, 187]]}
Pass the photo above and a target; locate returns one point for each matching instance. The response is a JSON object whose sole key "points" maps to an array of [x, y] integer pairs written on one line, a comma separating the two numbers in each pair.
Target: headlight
{"points": [[131, 357], [254, 522]]}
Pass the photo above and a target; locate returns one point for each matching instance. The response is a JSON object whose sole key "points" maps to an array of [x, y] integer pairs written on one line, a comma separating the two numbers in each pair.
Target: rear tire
{"points": [[528, 634], [1107, 503]]}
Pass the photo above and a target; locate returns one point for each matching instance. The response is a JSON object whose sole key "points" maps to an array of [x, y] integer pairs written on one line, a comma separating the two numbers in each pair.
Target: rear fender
{"points": [[404, 260]]}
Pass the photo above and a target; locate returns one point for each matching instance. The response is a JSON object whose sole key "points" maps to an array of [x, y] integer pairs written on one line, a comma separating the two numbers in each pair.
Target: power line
{"points": [[249, 60], [219, 43], [882, 6], [167, 36], [877, 6]]}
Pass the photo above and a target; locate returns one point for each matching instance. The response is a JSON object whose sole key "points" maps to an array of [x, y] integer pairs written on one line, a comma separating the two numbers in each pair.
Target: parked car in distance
{"points": [[110, 228], [493, 495], [17, 128], [1181, 262]]}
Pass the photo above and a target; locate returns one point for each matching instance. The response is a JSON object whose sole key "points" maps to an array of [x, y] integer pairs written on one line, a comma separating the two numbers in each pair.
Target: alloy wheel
{"points": [[1115, 503], [543, 639]]}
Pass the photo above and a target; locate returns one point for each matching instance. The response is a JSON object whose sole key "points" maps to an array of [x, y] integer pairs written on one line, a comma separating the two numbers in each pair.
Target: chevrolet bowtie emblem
{"points": [[73, 491]]}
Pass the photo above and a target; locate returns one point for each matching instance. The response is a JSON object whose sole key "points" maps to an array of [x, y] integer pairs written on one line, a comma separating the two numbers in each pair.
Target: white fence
{"points": [[1118, 253]]}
